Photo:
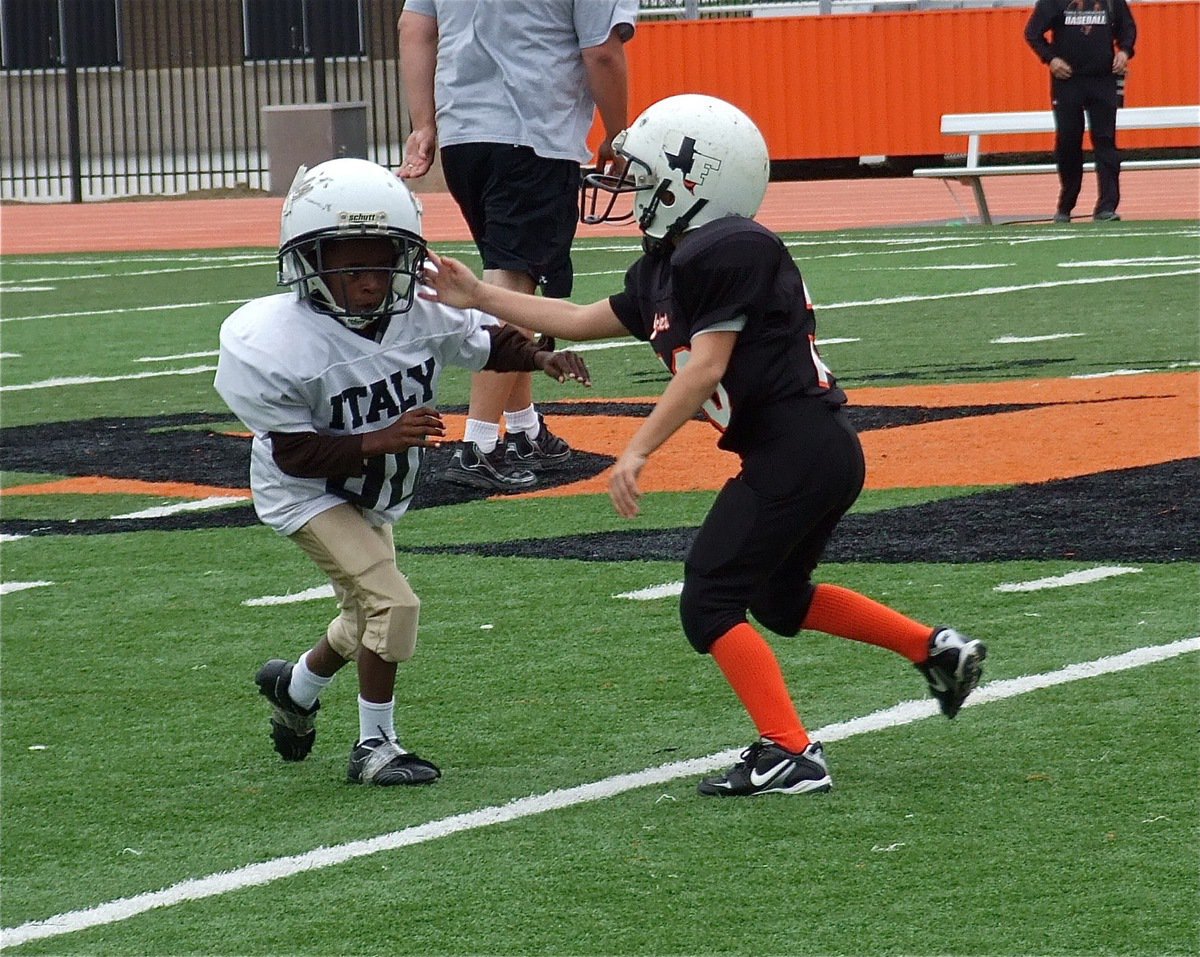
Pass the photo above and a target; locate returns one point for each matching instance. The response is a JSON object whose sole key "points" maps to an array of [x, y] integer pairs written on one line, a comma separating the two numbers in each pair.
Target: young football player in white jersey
{"points": [[723, 304], [338, 382]]}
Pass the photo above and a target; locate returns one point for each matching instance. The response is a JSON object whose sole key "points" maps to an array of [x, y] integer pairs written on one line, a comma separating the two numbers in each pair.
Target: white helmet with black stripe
{"points": [[689, 159]]}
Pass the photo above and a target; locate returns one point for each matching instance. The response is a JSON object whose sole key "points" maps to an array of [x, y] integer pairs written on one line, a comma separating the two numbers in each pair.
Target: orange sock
{"points": [[752, 670], [847, 614]]}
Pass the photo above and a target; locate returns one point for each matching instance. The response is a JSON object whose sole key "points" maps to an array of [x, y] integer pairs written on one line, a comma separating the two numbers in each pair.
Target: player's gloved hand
{"points": [[563, 366]]}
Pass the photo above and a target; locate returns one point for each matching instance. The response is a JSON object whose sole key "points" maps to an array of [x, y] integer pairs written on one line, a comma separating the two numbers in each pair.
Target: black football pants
{"points": [[1097, 97], [766, 531]]}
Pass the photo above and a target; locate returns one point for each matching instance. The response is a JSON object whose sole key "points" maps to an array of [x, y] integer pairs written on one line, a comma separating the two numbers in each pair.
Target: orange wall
{"points": [[870, 84]]}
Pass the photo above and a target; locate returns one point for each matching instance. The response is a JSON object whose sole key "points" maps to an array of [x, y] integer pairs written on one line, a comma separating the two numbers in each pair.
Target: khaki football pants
{"points": [[379, 611]]}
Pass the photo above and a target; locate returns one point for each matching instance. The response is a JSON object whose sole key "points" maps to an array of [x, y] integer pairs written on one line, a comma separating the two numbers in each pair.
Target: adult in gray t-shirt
{"points": [[508, 89], [515, 72]]}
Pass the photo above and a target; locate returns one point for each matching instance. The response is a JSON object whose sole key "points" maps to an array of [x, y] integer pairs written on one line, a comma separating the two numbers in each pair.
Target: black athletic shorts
{"points": [[765, 533], [522, 209]]}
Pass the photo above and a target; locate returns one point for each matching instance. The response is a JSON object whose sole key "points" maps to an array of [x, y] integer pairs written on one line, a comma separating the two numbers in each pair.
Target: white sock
{"points": [[375, 720], [524, 421], [483, 434], [306, 686]]}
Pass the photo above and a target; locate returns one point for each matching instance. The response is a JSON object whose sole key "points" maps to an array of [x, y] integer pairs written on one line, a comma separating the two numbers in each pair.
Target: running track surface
{"points": [[789, 206]]}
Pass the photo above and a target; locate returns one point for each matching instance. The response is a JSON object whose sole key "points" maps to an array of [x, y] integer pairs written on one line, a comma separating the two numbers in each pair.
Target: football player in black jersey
{"points": [[723, 305]]}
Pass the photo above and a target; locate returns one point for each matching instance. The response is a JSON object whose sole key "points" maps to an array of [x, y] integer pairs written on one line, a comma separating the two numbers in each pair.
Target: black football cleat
{"points": [[382, 762], [547, 451], [293, 728], [767, 768], [953, 668], [477, 469]]}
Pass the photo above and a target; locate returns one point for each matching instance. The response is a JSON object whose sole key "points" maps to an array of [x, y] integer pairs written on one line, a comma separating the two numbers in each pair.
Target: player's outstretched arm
{"points": [[451, 283]]}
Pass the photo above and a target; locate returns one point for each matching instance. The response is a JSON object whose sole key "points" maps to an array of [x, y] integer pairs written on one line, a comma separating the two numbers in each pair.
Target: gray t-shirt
{"points": [[512, 72]]}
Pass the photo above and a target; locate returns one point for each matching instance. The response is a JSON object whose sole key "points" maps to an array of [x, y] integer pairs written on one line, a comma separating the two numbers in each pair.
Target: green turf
{"points": [[134, 752]]}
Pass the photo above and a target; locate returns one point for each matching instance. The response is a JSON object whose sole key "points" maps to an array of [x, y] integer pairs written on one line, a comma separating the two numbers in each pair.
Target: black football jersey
{"points": [[733, 269]]}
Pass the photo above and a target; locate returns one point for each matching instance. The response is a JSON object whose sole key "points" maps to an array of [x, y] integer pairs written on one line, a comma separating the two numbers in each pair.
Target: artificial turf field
{"points": [[1027, 396]]}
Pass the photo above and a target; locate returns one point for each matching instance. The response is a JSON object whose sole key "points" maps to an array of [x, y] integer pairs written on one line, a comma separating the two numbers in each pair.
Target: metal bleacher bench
{"points": [[975, 125]]}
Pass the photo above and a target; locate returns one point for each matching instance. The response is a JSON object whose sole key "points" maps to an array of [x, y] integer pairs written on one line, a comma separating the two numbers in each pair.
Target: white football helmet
{"points": [[689, 159], [349, 199]]}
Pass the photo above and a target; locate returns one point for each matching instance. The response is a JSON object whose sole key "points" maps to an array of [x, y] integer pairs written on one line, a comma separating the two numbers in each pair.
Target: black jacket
{"points": [[1082, 32]]}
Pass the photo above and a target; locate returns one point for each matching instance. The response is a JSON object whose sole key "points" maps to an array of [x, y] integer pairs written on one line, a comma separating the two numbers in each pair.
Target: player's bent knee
{"points": [[774, 622], [342, 636], [784, 616], [391, 613], [703, 620], [393, 635]]}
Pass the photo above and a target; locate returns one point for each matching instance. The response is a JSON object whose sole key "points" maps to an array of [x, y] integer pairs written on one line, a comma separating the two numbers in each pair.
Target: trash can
{"points": [[304, 134]]}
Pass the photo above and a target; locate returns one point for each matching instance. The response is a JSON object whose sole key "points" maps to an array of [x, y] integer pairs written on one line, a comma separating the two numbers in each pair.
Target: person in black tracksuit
{"points": [[722, 303], [1091, 42]]}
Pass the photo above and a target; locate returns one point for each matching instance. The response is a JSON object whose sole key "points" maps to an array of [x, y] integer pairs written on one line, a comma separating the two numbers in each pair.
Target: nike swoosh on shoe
{"points": [[758, 780], [937, 681]]}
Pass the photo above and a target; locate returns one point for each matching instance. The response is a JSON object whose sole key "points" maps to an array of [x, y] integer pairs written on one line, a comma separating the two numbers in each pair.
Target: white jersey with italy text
{"points": [[285, 367]]}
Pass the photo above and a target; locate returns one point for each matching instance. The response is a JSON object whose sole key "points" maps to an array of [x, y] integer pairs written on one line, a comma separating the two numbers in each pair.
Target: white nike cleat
{"points": [[767, 768], [953, 668]]}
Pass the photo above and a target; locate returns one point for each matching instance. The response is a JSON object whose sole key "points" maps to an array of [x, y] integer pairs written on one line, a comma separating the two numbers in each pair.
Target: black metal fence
{"points": [[106, 98]]}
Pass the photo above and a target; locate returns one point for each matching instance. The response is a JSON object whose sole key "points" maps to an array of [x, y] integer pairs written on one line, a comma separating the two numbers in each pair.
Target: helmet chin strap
{"points": [[676, 229]]}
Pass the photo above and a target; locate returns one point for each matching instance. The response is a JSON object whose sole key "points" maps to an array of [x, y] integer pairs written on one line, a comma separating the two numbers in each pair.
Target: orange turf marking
{"points": [[1100, 424], [101, 485], [1082, 426]]}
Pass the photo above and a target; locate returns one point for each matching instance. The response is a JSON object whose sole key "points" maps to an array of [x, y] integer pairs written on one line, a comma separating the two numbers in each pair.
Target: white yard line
{"points": [[215, 264], [94, 379], [206, 354], [1112, 373], [197, 505], [125, 310], [266, 872], [124, 260], [1001, 290], [1084, 577], [671, 589], [309, 594], [1016, 340], [9, 587], [966, 267], [625, 343], [596, 346], [967, 293], [1139, 261], [821, 307], [668, 590]]}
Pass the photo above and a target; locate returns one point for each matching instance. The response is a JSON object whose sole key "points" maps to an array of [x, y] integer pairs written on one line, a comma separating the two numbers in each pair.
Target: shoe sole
{"points": [[290, 743], [481, 481], [542, 464], [972, 670], [406, 782], [407, 775], [807, 786]]}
